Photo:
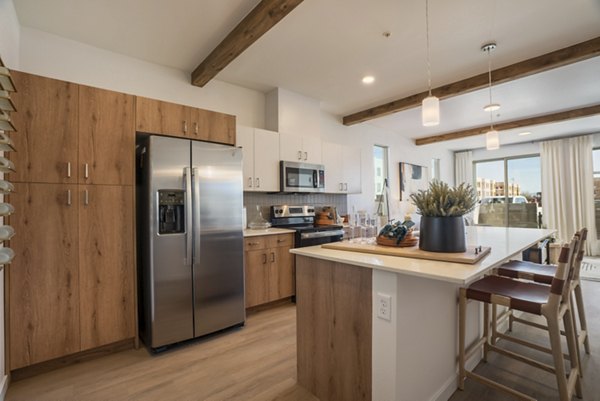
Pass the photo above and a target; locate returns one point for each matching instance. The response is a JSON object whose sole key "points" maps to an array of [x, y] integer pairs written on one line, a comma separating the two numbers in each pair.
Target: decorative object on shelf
{"points": [[5, 122], [6, 144], [6, 233], [6, 187], [6, 166], [430, 107], [492, 140], [397, 234], [6, 209], [6, 255], [412, 179], [442, 209]]}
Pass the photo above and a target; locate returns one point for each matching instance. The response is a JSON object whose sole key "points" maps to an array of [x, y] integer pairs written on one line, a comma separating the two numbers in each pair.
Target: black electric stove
{"points": [[302, 220]]}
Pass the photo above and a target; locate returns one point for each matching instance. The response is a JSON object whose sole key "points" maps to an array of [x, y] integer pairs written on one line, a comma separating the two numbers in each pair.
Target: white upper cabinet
{"points": [[297, 148], [261, 158], [342, 168]]}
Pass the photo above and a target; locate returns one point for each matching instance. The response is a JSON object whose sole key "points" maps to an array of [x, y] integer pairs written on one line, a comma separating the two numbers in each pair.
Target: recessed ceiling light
{"points": [[369, 79], [524, 133], [491, 107]]}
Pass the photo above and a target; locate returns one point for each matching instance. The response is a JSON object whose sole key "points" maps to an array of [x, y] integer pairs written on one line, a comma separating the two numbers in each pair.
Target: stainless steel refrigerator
{"points": [[190, 240]]}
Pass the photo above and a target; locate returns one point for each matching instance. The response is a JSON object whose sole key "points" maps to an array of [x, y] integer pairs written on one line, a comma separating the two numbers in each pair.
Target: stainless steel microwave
{"points": [[301, 177]]}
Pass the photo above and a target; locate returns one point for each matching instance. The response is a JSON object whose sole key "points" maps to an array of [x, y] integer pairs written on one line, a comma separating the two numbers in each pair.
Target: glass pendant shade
{"points": [[492, 140], [430, 111]]}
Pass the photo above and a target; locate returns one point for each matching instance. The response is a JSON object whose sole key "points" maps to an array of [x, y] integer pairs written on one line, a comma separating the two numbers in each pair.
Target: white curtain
{"points": [[463, 167], [568, 188]]}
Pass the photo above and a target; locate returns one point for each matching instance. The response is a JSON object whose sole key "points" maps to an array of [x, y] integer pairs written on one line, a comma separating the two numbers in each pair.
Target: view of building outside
{"points": [[509, 192], [380, 167]]}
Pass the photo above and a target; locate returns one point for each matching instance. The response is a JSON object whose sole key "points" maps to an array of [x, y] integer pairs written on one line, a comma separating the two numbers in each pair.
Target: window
{"points": [[509, 192], [435, 169], [596, 161], [380, 164]]}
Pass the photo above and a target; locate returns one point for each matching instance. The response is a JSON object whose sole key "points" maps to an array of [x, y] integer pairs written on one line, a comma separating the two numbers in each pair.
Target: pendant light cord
{"points": [[490, 86], [427, 33]]}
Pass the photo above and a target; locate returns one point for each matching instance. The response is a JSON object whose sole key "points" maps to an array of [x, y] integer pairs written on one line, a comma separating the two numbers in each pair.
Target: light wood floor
{"points": [[258, 363], [255, 363]]}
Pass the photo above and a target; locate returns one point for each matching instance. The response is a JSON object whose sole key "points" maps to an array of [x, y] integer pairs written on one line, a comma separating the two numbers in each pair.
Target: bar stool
{"points": [[544, 274], [552, 302]]}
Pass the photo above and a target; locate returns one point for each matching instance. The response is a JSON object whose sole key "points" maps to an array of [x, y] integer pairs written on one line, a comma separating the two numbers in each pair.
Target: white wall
{"points": [[401, 149], [9, 51], [56, 57]]}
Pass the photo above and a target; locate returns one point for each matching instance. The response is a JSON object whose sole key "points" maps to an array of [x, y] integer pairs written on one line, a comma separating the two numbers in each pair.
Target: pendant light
{"points": [[492, 139], [430, 108]]}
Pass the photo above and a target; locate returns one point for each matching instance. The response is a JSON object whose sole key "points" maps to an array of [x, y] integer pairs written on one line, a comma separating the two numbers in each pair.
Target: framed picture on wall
{"points": [[412, 178]]}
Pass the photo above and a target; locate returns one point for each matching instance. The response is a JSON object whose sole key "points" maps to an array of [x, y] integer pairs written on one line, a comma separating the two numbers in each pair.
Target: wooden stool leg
{"points": [[510, 320], [462, 311], [486, 329], [561, 377], [581, 313], [573, 346], [575, 332]]}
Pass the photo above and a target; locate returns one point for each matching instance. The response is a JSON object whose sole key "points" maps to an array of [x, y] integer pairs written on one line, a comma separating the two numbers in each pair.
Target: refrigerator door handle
{"points": [[196, 211], [187, 176]]}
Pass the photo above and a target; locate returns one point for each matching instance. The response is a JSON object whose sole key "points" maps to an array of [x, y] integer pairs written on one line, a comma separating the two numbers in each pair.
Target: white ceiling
{"points": [[324, 47]]}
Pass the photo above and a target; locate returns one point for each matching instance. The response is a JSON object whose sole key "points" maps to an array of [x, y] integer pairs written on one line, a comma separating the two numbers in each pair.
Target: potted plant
{"points": [[442, 209]]}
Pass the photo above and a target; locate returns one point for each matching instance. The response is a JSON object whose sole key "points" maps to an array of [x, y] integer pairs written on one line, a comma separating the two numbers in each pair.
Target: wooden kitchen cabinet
{"points": [[106, 265], [46, 137], [261, 158], [44, 275], [106, 137], [269, 268], [158, 117]]}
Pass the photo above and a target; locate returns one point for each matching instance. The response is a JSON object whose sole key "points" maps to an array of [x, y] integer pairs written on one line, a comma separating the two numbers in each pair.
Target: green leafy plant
{"points": [[441, 200]]}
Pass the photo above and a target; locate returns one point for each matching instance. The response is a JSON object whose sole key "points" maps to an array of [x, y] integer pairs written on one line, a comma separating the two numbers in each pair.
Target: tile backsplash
{"points": [[265, 201]]}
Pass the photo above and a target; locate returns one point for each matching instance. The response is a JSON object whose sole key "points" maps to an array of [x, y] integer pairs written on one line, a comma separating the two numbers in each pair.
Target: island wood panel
{"points": [[44, 277], [334, 326], [46, 123], [106, 264], [256, 265], [158, 117], [106, 136]]}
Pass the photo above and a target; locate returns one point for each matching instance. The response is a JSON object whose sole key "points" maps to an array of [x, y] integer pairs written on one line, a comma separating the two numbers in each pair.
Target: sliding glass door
{"points": [[509, 192]]}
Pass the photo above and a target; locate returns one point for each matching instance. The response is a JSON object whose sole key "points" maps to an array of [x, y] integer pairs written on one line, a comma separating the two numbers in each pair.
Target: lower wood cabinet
{"points": [[44, 276], [71, 285], [269, 268]]}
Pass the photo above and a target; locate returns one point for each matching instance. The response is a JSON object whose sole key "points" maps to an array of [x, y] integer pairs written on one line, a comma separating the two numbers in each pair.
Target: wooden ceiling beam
{"points": [[258, 21], [545, 62], [525, 122]]}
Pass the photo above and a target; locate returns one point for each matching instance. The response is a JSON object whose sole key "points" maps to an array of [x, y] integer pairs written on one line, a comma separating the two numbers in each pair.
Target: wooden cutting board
{"points": [[412, 252]]}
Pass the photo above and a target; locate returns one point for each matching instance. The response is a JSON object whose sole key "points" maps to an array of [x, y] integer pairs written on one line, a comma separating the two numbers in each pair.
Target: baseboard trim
{"points": [[47, 366], [269, 305], [451, 385]]}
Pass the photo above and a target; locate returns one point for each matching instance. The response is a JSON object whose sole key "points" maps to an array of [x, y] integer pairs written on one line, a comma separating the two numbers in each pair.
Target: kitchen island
{"points": [[383, 328]]}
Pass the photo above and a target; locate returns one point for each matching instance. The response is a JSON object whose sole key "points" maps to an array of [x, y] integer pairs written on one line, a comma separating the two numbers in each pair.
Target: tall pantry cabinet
{"points": [[72, 281]]}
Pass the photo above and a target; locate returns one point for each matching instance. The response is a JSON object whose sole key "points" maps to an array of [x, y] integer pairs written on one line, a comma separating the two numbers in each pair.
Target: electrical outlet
{"points": [[384, 306]]}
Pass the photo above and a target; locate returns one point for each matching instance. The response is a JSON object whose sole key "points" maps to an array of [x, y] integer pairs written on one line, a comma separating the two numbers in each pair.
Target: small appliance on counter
{"points": [[302, 220]]}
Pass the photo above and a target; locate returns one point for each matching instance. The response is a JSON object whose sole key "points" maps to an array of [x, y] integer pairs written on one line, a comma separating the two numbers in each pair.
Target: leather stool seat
{"points": [[528, 271]]}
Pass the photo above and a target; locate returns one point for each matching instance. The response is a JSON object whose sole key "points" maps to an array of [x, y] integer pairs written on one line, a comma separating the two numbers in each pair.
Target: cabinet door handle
{"points": [[68, 197], [305, 155], [257, 182], [68, 169], [195, 128], [345, 186], [280, 240], [264, 258], [86, 198], [184, 126], [299, 155], [252, 243], [249, 182], [86, 171], [272, 256], [341, 186]]}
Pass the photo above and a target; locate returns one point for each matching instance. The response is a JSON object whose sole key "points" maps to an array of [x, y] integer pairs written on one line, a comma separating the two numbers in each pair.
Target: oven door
{"points": [[301, 177], [319, 237]]}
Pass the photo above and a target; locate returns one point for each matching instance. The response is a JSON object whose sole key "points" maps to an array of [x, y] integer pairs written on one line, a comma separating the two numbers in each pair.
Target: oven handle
{"points": [[321, 234]]}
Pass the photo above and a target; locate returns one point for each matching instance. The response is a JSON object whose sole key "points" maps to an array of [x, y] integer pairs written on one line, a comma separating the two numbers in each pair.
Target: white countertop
{"points": [[505, 242], [266, 231]]}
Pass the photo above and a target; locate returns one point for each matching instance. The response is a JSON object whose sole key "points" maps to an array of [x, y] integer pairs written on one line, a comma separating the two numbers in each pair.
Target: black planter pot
{"points": [[442, 234]]}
